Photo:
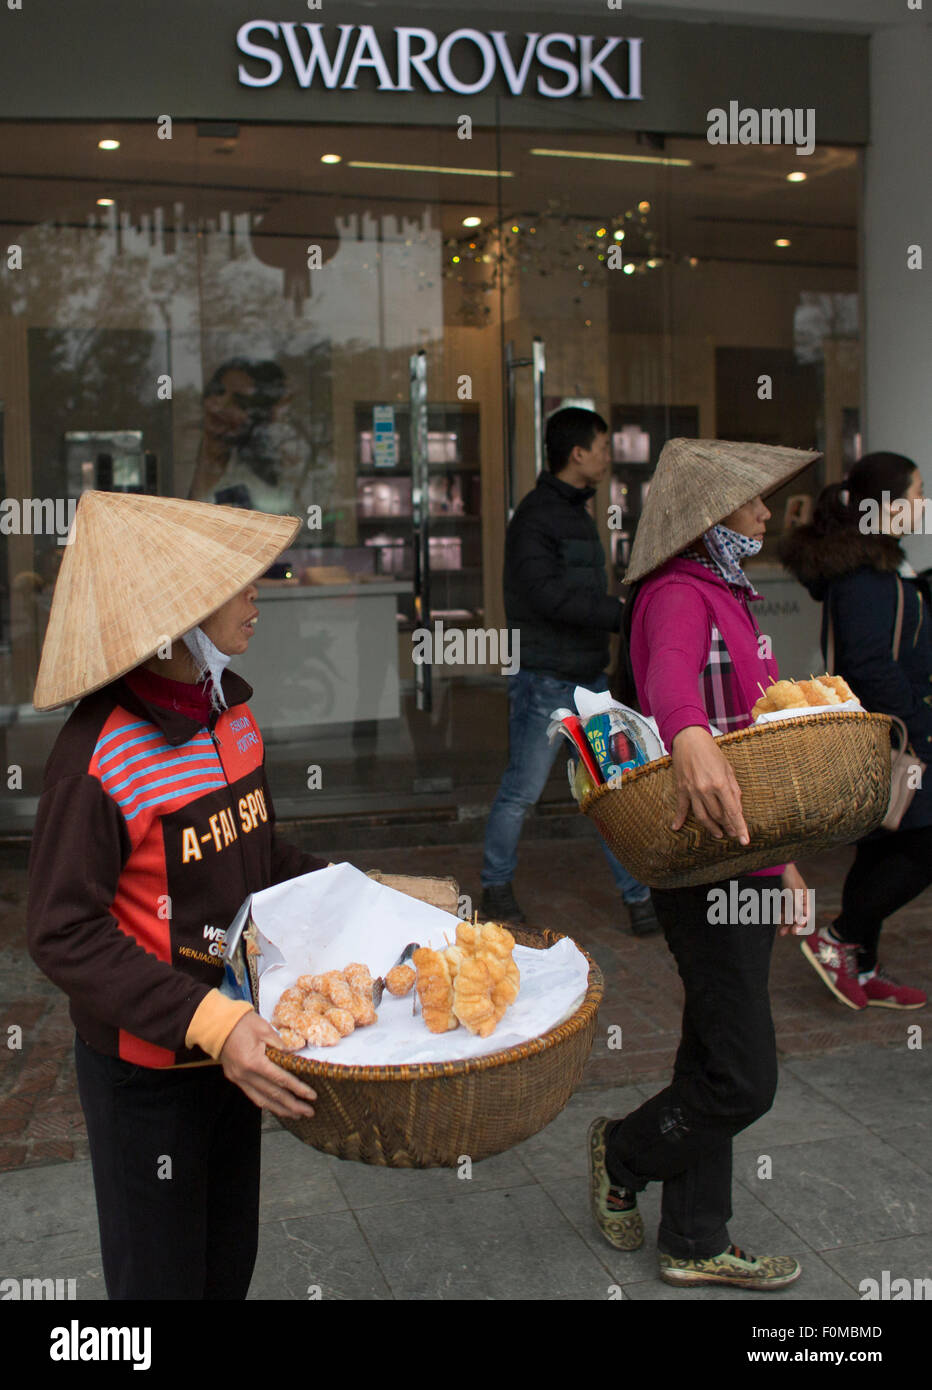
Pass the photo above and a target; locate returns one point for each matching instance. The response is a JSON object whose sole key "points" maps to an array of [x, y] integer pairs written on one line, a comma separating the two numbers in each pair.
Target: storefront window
{"points": [[225, 316]]}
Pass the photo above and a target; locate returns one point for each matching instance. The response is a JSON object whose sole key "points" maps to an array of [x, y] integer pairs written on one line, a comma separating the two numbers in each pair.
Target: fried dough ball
{"points": [[286, 1014], [305, 983], [435, 989], [363, 1011], [321, 1032], [841, 687], [294, 995], [315, 1004], [815, 693], [359, 979], [342, 1021], [399, 980], [290, 1040]]}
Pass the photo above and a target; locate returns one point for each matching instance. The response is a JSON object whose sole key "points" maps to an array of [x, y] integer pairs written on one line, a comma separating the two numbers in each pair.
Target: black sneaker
{"points": [[643, 918], [498, 904]]}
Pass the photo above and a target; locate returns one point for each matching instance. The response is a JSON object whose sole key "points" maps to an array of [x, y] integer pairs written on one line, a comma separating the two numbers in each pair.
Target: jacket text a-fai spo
{"points": [[151, 831]]}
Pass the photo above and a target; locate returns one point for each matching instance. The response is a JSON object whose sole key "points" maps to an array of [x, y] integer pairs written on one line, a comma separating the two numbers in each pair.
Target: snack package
{"points": [[615, 743], [568, 723]]}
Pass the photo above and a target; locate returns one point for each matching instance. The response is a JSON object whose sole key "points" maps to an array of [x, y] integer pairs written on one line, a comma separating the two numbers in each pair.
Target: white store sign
{"points": [[552, 65]]}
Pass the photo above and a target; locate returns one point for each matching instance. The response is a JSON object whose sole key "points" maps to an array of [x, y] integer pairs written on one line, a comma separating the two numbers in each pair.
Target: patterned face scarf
{"points": [[210, 662], [729, 549]]}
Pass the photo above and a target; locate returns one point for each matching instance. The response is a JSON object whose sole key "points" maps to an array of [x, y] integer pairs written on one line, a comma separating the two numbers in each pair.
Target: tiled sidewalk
{"points": [[850, 1195], [850, 1191], [565, 886]]}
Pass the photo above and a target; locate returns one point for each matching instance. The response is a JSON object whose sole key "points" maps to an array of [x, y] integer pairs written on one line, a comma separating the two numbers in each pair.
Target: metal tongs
{"points": [[378, 986]]}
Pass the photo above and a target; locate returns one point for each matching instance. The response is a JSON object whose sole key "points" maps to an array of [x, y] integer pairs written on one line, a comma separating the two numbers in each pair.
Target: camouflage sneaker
{"points": [[619, 1222], [734, 1266]]}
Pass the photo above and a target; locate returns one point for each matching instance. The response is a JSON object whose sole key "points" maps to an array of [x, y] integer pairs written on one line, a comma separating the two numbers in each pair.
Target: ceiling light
{"points": [[429, 169], [330, 158], [472, 221], [108, 144], [783, 241], [105, 202], [797, 177], [619, 158], [644, 206], [628, 268]]}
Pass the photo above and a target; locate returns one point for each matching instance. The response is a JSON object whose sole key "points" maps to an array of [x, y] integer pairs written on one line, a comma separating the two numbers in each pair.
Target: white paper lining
{"points": [[324, 920]]}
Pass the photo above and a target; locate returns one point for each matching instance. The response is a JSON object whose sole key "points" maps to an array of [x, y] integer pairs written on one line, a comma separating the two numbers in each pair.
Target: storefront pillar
{"points": [[897, 220]]}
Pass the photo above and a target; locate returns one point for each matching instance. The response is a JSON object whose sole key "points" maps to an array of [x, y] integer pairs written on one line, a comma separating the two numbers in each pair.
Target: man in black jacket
{"points": [[557, 599]]}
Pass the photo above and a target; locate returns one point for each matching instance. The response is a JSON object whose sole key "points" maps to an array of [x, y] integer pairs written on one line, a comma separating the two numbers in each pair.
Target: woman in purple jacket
{"points": [[697, 657]]}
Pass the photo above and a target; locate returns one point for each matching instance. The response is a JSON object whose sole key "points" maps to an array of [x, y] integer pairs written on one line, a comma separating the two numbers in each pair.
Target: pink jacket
{"points": [[671, 633], [673, 617]]}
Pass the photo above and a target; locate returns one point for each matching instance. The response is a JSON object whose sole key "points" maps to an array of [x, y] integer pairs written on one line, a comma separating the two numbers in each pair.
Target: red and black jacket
{"points": [[151, 831]]}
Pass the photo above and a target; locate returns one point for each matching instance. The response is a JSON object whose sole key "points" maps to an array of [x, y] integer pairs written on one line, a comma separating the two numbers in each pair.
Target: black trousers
{"points": [[176, 1158], [888, 872], [724, 1076]]}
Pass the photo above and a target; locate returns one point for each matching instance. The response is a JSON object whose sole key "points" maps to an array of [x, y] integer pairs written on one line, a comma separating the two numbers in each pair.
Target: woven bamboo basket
{"points": [[431, 1114], [806, 784]]}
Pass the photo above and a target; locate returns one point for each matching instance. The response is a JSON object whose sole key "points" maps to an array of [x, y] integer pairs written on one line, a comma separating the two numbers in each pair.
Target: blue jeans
{"points": [[532, 698]]}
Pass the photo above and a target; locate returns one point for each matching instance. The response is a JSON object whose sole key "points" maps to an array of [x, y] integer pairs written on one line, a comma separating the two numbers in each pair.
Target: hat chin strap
{"points": [[210, 661]]}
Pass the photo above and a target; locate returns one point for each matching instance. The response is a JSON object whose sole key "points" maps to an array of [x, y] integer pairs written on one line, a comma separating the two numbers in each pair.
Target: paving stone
{"points": [[366, 1185], [326, 1253], [879, 1086], [799, 1114], [905, 1257], [513, 1244], [837, 1191], [296, 1179]]}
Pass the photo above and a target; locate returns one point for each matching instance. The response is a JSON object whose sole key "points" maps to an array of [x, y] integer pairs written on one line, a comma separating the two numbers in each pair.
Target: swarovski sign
{"points": [[465, 61]]}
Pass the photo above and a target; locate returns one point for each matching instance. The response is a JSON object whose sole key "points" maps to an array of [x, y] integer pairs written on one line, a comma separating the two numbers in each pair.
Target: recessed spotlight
{"points": [[108, 144], [628, 268], [105, 202], [797, 176], [330, 158], [644, 206], [783, 241], [472, 221]]}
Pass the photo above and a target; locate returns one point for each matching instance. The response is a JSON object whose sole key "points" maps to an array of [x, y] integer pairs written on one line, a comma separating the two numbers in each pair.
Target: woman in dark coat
{"points": [[851, 561]]}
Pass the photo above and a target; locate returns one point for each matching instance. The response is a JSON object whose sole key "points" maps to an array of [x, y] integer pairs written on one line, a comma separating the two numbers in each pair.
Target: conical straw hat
{"points": [[697, 482], [139, 571]]}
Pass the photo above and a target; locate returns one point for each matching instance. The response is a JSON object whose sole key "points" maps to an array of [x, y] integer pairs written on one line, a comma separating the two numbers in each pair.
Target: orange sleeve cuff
{"points": [[214, 1020]]}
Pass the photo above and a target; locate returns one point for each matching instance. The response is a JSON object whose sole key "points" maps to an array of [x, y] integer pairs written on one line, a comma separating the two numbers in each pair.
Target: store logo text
{"points": [[579, 60]]}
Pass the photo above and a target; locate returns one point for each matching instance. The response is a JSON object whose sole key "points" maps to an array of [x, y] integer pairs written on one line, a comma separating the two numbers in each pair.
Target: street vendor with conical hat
{"points": [[698, 660], [154, 824]]}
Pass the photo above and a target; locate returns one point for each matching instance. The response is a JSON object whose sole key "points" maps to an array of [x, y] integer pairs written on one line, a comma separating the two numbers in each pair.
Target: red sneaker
{"points": [[884, 991], [835, 962]]}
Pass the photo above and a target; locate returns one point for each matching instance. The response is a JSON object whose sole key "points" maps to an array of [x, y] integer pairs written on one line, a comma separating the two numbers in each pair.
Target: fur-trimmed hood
{"points": [[815, 558]]}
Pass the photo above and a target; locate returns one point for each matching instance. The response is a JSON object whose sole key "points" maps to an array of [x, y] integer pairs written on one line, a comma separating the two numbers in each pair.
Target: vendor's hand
{"points": [[706, 785], [270, 1087], [799, 925]]}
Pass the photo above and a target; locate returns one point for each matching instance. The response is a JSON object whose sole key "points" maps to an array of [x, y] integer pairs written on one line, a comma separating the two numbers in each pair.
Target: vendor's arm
{"points": [[79, 848], [536, 568], [670, 649]]}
